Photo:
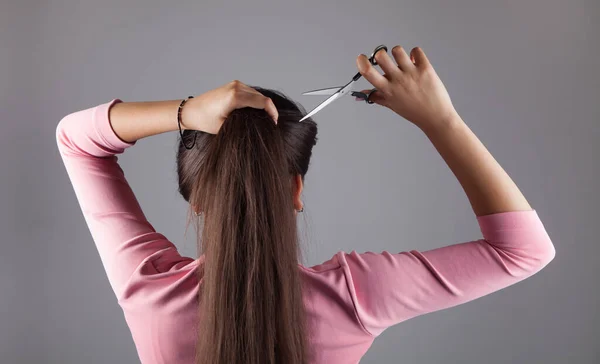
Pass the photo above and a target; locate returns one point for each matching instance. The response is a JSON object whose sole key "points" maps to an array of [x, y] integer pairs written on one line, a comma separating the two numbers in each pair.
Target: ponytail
{"points": [[242, 179]]}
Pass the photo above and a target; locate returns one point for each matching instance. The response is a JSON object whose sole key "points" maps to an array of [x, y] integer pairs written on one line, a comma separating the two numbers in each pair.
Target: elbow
{"points": [[522, 242], [547, 253], [58, 132], [524, 262], [58, 135], [541, 256], [61, 138]]}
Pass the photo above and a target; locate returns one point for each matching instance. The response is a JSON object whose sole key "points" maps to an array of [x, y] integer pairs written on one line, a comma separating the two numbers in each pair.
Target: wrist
{"points": [[449, 121], [185, 114]]}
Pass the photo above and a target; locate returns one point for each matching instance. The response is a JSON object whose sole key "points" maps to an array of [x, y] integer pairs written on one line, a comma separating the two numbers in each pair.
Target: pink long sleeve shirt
{"points": [[351, 298]]}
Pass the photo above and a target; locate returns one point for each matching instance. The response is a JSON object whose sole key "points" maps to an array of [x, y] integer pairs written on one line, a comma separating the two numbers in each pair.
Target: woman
{"points": [[246, 299]]}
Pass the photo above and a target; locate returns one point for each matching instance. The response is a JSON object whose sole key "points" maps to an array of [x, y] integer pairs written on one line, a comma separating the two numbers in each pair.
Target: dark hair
{"points": [[242, 180]]}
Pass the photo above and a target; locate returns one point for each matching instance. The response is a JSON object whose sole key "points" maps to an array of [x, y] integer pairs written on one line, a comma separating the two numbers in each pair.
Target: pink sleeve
{"points": [[122, 234], [390, 288]]}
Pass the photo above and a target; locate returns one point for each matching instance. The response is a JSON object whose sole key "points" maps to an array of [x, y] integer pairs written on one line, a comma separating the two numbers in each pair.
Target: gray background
{"points": [[523, 74]]}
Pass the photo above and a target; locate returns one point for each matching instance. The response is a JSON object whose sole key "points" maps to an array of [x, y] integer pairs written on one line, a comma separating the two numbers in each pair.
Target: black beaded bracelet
{"points": [[179, 123]]}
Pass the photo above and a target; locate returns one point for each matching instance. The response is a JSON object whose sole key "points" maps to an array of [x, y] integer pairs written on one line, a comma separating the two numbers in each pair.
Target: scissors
{"points": [[339, 91]]}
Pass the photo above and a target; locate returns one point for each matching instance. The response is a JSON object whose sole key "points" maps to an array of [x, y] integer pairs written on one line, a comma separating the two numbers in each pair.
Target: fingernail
{"points": [[357, 99]]}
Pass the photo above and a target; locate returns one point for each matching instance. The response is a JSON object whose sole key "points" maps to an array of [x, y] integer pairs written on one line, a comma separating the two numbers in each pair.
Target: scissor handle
{"points": [[372, 58], [365, 96], [368, 100]]}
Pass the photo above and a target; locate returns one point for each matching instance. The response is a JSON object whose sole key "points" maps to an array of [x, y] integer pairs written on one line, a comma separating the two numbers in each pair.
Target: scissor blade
{"points": [[329, 100], [323, 91]]}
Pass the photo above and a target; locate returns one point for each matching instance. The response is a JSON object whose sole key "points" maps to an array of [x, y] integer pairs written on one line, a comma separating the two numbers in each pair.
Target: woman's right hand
{"points": [[208, 111], [411, 88]]}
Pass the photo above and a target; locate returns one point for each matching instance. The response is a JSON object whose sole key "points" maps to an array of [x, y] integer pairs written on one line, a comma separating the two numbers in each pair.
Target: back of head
{"points": [[242, 180]]}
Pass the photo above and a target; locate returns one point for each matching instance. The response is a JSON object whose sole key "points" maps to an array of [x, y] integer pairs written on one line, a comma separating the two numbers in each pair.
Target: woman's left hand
{"points": [[208, 111]]}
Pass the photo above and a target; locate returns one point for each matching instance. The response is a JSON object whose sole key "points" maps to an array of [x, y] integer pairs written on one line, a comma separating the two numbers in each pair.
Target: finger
{"points": [[386, 63], [271, 109], [402, 58], [420, 58], [269, 105], [257, 100], [369, 72]]}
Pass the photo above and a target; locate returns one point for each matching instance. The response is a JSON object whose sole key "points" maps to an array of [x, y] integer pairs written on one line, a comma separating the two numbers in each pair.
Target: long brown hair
{"points": [[242, 180]]}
